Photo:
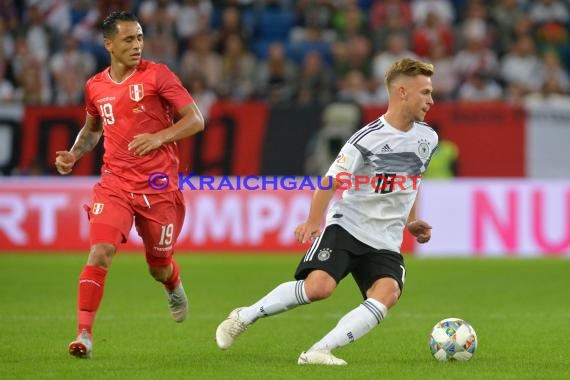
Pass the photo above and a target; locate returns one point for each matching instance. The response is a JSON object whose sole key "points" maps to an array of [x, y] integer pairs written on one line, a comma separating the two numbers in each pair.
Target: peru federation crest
{"points": [[136, 92]]}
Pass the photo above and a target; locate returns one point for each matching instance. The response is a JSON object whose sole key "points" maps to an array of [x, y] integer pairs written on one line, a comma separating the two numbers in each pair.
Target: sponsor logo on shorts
{"points": [[163, 249], [97, 208], [324, 254]]}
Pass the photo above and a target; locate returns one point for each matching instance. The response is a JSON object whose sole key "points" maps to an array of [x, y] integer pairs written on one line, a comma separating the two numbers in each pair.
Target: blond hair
{"points": [[408, 67]]}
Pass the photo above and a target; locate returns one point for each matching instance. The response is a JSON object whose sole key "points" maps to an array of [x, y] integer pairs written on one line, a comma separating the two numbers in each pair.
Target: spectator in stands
{"points": [[551, 94], [442, 8], [202, 94], [160, 47], [9, 15], [31, 75], [33, 82], [475, 57], [553, 35], [523, 27], [231, 24], [192, 17], [445, 79], [359, 54], [395, 25], [552, 71], [201, 58], [522, 66], [504, 16], [340, 57], [7, 89], [84, 19], [159, 17], [37, 34], [350, 21], [238, 70], [474, 23], [482, 35], [275, 76], [314, 84], [544, 11], [57, 15], [397, 49], [317, 13], [7, 44], [382, 12], [479, 87], [353, 87], [432, 31], [70, 69]]}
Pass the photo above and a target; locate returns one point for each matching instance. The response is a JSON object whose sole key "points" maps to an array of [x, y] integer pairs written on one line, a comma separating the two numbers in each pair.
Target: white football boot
{"points": [[322, 357], [230, 329], [178, 303]]}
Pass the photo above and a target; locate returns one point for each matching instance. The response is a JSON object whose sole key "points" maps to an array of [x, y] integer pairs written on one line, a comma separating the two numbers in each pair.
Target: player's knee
{"points": [[319, 285], [390, 299], [385, 290], [101, 255]]}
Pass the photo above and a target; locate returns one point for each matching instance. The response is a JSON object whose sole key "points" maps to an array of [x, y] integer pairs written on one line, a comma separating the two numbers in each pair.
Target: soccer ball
{"points": [[452, 339]]}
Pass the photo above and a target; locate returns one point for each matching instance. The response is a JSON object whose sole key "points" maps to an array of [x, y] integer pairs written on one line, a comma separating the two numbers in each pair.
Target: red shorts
{"points": [[158, 218]]}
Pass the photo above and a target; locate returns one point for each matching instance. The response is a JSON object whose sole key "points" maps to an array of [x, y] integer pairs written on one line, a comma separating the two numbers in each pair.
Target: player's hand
{"points": [[307, 232], [64, 161], [144, 143], [421, 230]]}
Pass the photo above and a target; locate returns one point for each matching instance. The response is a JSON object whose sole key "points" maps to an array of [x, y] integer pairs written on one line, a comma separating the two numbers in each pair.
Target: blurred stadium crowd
{"points": [[294, 51]]}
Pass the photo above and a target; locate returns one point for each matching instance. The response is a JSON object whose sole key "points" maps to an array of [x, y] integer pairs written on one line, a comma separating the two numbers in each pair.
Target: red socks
{"points": [[91, 285], [174, 279]]}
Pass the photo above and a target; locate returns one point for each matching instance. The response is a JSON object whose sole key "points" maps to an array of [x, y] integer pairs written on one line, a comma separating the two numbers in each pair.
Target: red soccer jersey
{"points": [[144, 102]]}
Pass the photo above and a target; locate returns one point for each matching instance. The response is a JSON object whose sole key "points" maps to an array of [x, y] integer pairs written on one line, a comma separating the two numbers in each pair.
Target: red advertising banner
{"points": [[232, 145], [46, 130], [46, 214], [490, 137]]}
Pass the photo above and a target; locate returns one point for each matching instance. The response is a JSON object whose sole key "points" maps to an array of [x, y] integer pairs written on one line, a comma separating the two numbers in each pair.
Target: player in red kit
{"points": [[132, 104]]}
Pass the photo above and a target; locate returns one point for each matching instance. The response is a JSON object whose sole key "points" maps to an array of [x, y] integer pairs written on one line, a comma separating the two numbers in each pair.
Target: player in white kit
{"points": [[382, 164]]}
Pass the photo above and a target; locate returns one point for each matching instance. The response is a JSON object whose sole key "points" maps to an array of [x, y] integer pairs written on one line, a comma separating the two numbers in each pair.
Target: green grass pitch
{"points": [[519, 308]]}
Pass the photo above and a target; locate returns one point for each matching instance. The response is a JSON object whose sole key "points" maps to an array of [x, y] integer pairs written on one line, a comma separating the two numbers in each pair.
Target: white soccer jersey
{"points": [[391, 163]]}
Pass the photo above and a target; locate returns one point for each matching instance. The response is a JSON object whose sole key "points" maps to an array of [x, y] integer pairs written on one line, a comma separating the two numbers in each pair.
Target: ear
{"points": [[108, 44], [402, 93]]}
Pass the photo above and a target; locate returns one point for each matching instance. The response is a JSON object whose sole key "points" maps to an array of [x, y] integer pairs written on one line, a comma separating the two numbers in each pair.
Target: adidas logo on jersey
{"points": [[386, 148]]}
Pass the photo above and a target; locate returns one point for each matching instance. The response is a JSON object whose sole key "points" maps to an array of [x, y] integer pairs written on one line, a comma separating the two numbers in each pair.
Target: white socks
{"points": [[284, 297], [353, 325]]}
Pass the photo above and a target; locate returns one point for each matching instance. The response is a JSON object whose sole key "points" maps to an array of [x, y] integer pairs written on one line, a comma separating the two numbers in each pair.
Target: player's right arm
{"points": [[321, 198], [86, 140], [347, 162]]}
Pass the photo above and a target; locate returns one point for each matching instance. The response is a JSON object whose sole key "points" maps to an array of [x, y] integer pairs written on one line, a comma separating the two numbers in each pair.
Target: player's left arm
{"points": [[417, 227], [190, 123]]}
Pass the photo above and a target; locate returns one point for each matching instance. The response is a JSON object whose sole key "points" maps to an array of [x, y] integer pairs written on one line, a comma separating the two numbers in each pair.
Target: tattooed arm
{"points": [[86, 140]]}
